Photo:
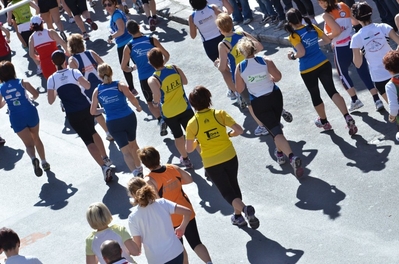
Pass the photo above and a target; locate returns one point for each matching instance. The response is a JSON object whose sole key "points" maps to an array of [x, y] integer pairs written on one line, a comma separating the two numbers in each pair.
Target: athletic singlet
{"points": [[138, 53], [65, 82], [342, 16], [87, 65], [15, 96], [234, 54], [4, 47], [218, 3], [173, 97], [209, 128], [113, 101], [314, 57], [45, 46], [256, 76], [126, 37], [169, 185], [204, 20], [21, 14]]}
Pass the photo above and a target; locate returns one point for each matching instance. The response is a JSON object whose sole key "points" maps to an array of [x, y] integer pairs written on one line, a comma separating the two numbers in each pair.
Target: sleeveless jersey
{"points": [[138, 53], [209, 128], [234, 54], [256, 76], [21, 14], [218, 3], [126, 37], [342, 16], [309, 38], [15, 96], [45, 46], [173, 97], [204, 20], [169, 185], [65, 82], [87, 65], [113, 101], [4, 47]]}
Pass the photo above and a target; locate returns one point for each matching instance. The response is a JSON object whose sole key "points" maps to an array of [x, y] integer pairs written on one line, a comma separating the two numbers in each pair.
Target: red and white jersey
{"points": [[43, 43]]}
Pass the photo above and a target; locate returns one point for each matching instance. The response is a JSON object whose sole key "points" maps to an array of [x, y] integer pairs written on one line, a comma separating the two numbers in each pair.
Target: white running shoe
{"points": [[355, 105], [379, 106], [261, 131], [138, 172], [107, 161], [279, 158]]}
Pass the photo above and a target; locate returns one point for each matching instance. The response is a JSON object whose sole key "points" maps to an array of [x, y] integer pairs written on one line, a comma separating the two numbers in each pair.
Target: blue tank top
{"points": [[138, 53], [234, 54], [87, 65], [113, 101], [15, 96], [126, 37], [313, 55]]}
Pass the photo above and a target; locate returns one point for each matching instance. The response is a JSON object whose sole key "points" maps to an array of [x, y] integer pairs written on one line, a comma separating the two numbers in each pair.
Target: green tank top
{"points": [[22, 14]]}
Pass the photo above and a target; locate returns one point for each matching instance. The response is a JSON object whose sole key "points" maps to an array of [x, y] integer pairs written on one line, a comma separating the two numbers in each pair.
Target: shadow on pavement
{"points": [[169, 34], [211, 199], [315, 194], [55, 193], [117, 199], [68, 130], [117, 158], [8, 157], [373, 157], [262, 250]]}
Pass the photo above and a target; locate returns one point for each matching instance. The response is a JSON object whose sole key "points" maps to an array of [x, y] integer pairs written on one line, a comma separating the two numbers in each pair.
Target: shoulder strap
{"points": [[91, 58], [79, 60], [214, 115]]}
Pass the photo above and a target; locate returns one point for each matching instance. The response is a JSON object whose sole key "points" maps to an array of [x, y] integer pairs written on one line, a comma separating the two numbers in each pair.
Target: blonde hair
{"points": [[246, 46], [224, 22], [98, 216], [142, 193], [105, 72], [76, 44]]}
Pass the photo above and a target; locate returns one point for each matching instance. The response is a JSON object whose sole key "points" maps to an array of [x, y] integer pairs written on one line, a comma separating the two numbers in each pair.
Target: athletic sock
{"points": [[186, 158], [291, 155], [354, 98], [323, 121], [237, 215], [159, 118], [376, 97], [345, 115], [44, 161]]}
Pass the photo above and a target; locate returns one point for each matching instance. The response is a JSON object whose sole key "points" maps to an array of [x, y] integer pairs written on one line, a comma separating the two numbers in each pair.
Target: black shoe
{"points": [[249, 212], [36, 167]]}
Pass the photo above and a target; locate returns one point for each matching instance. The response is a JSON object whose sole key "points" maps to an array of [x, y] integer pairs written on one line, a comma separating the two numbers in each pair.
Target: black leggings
{"points": [[192, 234], [128, 75], [311, 80], [224, 176], [381, 86]]}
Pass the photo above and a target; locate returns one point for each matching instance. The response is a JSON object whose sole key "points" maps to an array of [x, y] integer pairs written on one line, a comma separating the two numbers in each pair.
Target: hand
{"points": [[392, 118], [179, 232], [216, 63], [138, 108], [8, 40], [290, 54]]}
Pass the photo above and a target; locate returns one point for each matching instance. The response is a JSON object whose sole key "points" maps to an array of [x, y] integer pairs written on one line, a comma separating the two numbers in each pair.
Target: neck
{"points": [[156, 168], [12, 252]]}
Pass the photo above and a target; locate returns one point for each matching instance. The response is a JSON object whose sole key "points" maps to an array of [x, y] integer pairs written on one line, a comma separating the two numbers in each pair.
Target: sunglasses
{"points": [[109, 5]]}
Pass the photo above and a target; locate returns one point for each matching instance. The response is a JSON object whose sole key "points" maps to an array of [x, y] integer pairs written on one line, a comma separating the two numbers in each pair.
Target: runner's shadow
{"points": [[262, 250], [117, 158], [169, 33], [315, 194], [372, 158], [117, 199], [211, 199], [55, 193], [8, 157]]}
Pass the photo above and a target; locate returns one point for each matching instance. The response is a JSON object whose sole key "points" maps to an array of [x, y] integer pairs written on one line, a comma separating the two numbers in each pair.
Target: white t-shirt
{"points": [[372, 38], [18, 259], [154, 225], [204, 20], [392, 95]]}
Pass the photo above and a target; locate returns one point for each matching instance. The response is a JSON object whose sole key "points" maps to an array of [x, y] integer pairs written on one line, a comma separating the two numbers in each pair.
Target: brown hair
{"points": [[200, 98], [224, 22], [105, 72], [150, 157], [76, 44], [391, 61], [155, 57], [7, 71], [142, 193], [114, 2]]}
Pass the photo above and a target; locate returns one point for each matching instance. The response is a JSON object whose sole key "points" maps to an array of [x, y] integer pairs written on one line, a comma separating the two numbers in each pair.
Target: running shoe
{"points": [[379, 106], [351, 125], [279, 157], [2, 141], [109, 137], [249, 212], [63, 36], [71, 20], [107, 172], [231, 95], [107, 161], [155, 19], [138, 6], [152, 24], [36, 167], [261, 130], [138, 172], [46, 166], [86, 36], [287, 116], [355, 105], [247, 21], [397, 136], [92, 24], [326, 126], [125, 8], [39, 70], [296, 164], [186, 162], [266, 19], [163, 127], [235, 23], [238, 221]]}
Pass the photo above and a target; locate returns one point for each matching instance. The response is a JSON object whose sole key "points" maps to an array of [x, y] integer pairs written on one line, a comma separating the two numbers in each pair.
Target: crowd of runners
{"points": [[85, 85]]}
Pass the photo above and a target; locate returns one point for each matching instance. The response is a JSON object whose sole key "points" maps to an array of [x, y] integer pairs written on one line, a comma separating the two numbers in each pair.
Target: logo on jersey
{"points": [[342, 14], [11, 90], [212, 134]]}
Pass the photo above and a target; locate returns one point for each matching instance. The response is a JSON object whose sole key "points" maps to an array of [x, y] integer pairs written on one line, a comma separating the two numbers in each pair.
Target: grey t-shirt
{"points": [[18, 259]]}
